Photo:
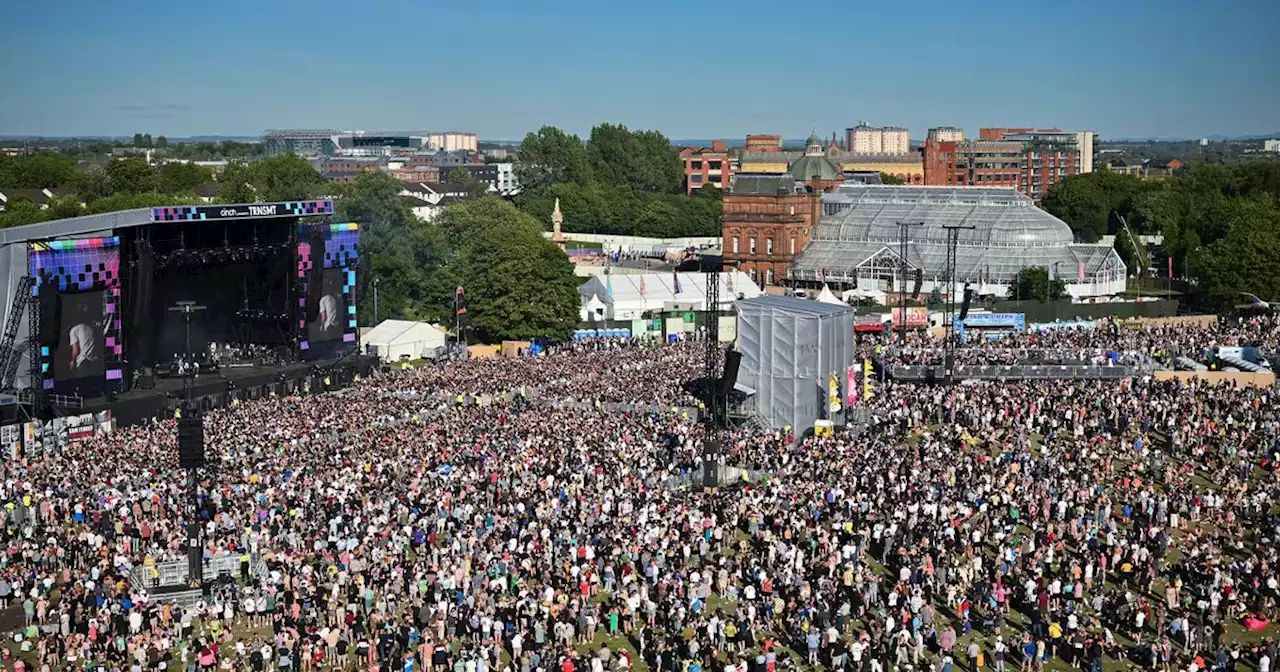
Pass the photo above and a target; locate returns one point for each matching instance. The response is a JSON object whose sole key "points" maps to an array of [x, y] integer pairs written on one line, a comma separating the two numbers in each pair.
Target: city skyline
{"points": [[1123, 70]]}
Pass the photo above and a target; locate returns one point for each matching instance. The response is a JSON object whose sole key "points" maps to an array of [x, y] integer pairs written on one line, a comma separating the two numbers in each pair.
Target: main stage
{"points": [[94, 306]]}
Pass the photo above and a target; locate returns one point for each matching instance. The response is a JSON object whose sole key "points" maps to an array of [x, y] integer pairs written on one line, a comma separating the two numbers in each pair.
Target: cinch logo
{"points": [[262, 210]]}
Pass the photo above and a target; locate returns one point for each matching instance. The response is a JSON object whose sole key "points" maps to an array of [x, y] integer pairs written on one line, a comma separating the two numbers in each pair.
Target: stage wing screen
{"points": [[81, 349]]}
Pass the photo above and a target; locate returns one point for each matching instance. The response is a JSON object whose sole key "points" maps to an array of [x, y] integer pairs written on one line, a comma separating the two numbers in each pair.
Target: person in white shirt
{"points": [[84, 346], [328, 318]]}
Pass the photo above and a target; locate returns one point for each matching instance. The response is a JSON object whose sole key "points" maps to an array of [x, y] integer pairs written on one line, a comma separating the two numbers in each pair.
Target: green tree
{"points": [[551, 156], [137, 140], [1089, 203], [518, 284], [130, 175], [175, 177], [1246, 258], [21, 211], [890, 179], [40, 170], [641, 160], [162, 142], [93, 184], [1033, 282], [278, 178], [146, 141]]}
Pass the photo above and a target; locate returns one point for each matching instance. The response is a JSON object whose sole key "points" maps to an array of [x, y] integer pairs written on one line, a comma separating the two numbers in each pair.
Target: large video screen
{"points": [[81, 349], [331, 309]]}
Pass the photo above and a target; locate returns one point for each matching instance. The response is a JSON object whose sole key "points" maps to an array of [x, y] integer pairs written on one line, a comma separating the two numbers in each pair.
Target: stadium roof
{"points": [[859, 229]]}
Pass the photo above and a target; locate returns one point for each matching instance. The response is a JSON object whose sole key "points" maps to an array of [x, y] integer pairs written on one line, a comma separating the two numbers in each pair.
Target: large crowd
{"points": [[495, 515]]}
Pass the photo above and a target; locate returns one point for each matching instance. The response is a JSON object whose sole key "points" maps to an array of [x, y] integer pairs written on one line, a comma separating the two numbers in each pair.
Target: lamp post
{"points": [[375, 301]]}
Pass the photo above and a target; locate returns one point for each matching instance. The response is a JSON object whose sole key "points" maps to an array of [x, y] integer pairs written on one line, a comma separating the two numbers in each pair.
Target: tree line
{"points": [[1220, 224], [619, 181]]}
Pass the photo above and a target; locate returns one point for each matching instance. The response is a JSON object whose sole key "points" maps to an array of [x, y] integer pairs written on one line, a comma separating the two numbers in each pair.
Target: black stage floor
{"points": [[222, 387]]}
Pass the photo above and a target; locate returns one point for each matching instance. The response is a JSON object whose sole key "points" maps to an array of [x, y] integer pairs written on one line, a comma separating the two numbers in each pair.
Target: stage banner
{"points": [[866, 379], [31, 433], [851, 385], [833, 394], [11, 440]]}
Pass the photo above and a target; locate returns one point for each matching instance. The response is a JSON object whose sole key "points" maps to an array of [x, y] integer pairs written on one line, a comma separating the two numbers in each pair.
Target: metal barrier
{"points": [[174, 572], [1015, 372]]}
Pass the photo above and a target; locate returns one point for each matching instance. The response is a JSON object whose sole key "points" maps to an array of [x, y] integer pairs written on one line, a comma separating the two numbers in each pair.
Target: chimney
{"points": [[718, 145]]}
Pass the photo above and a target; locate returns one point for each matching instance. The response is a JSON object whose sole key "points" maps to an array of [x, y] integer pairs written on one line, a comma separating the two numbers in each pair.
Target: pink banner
{"points": [[851, 386]]}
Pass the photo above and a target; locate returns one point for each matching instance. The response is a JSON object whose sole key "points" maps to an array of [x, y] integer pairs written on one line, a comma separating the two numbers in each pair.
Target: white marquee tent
{"points": [[627, 297], [395, 339]]}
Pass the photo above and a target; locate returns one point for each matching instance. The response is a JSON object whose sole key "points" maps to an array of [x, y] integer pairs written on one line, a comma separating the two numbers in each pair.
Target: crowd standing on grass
{"points": [[406, 525]]}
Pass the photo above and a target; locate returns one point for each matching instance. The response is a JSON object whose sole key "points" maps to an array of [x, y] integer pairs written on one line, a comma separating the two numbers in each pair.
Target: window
{"points": [[793, 245], [753, 275], [768, 276], [753, 245], [695, 178], [735, 244], [768, 246], [713, 165], [695, 165]]}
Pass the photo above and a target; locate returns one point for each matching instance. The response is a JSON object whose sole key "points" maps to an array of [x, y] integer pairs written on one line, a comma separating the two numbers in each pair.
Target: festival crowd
{"points": [[521, 514]]}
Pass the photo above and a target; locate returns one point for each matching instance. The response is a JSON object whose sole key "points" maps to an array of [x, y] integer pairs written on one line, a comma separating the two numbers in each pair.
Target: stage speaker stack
{"points": [[710, 457], [964, 307], [732, 362], [915, 290], [147, 378], [191, 440]]}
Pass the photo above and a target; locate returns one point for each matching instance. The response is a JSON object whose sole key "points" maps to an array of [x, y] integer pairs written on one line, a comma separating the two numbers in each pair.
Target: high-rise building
{"points": [[1271, 145], [453, 141], [763, 143], [946, 134], [865, 139]]}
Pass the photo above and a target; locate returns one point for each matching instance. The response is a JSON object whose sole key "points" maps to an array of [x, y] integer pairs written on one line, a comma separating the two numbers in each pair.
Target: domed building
{"points": [[815, 169], [857, 241]]}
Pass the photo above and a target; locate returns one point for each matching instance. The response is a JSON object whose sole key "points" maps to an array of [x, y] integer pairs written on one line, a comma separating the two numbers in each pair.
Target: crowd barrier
{"points": [[1237, 378], [175, 572], [1016, 372]]}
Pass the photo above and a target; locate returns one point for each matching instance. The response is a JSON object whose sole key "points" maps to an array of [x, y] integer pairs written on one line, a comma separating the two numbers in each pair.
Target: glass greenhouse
{"points": [[857, 240]]}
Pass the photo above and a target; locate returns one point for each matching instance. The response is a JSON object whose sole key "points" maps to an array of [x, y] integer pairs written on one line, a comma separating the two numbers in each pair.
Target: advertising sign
{"points": [[917, 316]]}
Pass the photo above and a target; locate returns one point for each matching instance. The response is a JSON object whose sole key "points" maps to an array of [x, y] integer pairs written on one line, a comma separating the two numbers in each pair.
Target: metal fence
{"points": [[174, 573], [1016, 372]]}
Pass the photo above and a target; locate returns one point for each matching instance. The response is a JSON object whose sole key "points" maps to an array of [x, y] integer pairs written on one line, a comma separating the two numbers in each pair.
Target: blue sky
{"points": [[1172, 68]]}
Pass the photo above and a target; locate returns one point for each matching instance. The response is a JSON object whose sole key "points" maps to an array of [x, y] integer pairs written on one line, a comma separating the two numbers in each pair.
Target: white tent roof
{"points": [[624, 291], [825, 296], [391, 332]]}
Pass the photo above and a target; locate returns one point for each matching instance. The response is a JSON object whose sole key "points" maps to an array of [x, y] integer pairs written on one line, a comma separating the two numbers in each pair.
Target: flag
{"points": [[822, 274], [728, 281], [1171, 267], [459, 306], [608, 282], [851, 385], [675, 281], [833, 394], [1080, 275], [642, 286]]}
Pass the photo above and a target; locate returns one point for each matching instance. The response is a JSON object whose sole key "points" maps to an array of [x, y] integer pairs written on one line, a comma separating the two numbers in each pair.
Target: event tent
{"points": [[627, 296], [393, 340]]}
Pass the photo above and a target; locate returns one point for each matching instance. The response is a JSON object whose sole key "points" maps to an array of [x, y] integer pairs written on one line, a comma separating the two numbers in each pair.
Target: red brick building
{"points": [[767, 222], [706, 165], [1031, 161]]}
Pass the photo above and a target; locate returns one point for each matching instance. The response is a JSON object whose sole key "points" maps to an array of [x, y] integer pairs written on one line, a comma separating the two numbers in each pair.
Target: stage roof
{"points": [[75, 226], [123, 219]]}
